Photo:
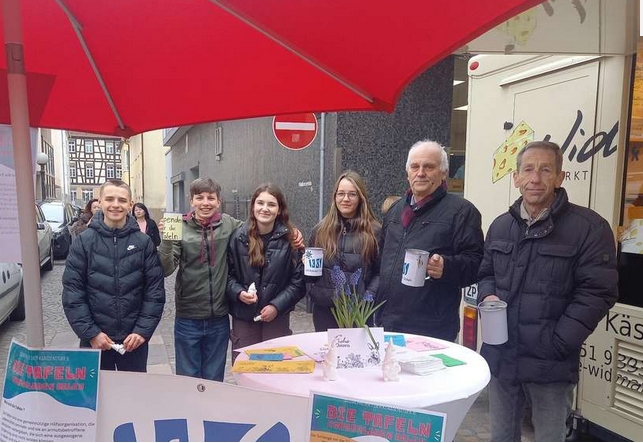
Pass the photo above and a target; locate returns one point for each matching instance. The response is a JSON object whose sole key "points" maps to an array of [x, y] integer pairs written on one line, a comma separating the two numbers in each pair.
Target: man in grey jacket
{"points": [[554, 264]]}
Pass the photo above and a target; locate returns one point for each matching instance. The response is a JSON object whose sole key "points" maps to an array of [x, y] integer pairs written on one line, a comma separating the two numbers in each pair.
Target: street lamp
{"points": [[42, 159]]}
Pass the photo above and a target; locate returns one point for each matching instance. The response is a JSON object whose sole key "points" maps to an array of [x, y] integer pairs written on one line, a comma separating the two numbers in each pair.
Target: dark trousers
{"points": [[135, 361], [246, 333], [323, 318]]}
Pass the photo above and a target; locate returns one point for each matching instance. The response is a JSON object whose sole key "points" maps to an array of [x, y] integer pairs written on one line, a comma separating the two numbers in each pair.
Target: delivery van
{"points": [[592, 106]]}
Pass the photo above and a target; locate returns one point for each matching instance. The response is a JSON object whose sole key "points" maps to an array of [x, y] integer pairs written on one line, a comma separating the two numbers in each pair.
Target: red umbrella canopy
{"points": [[127, 66]]}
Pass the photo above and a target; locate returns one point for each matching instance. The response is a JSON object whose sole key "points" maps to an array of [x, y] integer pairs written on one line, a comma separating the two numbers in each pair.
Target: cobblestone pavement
{"points": [[58, 334]]}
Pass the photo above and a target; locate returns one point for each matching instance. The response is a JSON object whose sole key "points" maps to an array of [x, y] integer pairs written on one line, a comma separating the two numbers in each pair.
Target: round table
{"points": [[452, 390]]}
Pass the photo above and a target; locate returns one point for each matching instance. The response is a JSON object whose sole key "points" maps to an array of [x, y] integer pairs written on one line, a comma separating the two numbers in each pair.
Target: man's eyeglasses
{"points": [[341, 195]]}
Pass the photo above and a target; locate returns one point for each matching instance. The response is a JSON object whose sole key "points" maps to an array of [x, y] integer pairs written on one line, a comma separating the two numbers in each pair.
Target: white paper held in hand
{"points": [[252, 289], [118, 348]]}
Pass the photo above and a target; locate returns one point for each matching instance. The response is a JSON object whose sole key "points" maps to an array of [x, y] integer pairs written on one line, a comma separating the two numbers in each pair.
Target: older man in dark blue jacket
{"points": [[113, 288], [447, 226], [554, 264]]}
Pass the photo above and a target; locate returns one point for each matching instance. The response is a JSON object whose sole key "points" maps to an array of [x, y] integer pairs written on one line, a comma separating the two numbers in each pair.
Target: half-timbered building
{"points": [[93, 159]]}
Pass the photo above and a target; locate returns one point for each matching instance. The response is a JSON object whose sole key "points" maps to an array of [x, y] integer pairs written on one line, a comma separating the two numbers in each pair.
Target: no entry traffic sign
{"points": [[295, 131]]}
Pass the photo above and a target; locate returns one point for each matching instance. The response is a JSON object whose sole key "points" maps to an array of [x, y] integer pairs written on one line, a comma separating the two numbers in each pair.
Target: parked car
{"points": [[45, 241], [60, 216], [12, 298]]}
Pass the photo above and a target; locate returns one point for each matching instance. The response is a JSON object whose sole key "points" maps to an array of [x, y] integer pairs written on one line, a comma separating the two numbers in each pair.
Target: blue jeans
{"points": [[201, 347], [551, 404]]}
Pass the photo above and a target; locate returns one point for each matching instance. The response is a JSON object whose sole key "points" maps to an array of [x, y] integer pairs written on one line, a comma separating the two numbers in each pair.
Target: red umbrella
{"points": [[127, 66]]}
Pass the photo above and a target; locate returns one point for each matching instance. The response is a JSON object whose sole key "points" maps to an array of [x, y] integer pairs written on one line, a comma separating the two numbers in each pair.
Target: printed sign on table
{"points": [[334, 418], [355, 348], [173, 226], [49, 395]]}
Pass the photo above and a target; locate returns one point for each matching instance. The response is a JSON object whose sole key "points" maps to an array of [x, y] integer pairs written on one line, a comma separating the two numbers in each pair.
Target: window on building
{"points": [[88, 195], [72, 145], [218, 143], [109, 147], [119, 171], [73, 195], [89, 146], [89, 170], [72, 171], [118, 148], [110, 170]]}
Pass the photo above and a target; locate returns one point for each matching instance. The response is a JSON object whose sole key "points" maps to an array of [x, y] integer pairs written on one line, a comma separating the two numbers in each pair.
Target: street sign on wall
{"points": [[295, 131]]}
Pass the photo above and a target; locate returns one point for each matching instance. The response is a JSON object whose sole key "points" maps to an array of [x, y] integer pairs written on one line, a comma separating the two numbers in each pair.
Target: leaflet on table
{"points": [[423, 344], [422, 363], [268, 357], [448, 360], [333, 418], [288, 352], [274, 367], [49, 395], [315, 351], [397, 339]]}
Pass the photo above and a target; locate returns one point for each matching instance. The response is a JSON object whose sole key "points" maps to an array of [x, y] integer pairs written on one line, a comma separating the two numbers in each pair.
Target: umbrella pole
{"points": [[24, 167]]}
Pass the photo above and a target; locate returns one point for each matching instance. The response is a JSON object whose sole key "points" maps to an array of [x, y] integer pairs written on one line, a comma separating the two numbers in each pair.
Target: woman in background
{"points": [[348, 235], [262, 251], [91, 208], [389, 202], [145, 223]]}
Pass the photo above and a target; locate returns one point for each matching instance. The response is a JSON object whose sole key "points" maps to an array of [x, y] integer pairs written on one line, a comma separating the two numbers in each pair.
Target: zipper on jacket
{"points": [[401, 247], [207, 253], [343, 246], [118, 289]]}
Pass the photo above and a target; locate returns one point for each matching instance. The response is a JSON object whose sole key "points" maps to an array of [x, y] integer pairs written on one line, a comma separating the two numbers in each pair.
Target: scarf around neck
{"points": [[409, 211], [206, 225]]}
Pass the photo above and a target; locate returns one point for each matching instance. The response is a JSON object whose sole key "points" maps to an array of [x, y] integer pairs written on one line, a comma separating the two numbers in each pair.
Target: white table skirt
{"points": [[412, 391]]}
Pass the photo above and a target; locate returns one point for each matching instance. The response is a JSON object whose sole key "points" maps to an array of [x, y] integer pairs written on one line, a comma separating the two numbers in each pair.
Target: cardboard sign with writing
{"points": [[173, 226]]}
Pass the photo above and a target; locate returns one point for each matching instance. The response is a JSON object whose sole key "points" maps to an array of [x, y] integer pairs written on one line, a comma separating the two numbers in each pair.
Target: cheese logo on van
{"points": [[504, 158], [521, 27]]}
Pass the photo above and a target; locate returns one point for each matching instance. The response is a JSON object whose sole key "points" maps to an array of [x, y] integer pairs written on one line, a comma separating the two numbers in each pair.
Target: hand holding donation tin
{"points": [[493, 314], [313, 262], [172, 224], [414, 268]]}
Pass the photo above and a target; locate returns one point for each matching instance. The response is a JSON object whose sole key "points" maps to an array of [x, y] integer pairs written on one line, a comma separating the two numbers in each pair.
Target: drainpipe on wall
{"points": [[321, 165]]}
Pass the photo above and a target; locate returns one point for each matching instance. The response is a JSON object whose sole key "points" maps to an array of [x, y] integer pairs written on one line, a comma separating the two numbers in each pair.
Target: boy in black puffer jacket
{"points": [[113, 288]]}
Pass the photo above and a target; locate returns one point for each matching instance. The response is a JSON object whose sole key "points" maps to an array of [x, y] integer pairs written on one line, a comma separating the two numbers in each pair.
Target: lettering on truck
{"points": [[599, 364]]}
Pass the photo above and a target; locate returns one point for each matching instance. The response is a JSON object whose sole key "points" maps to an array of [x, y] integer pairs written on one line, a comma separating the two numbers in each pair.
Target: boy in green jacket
{"points": [[201, 325]]}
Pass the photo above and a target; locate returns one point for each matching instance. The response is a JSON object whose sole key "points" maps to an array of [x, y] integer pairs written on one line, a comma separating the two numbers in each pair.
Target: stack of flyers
{"points": [[421, 364]]}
